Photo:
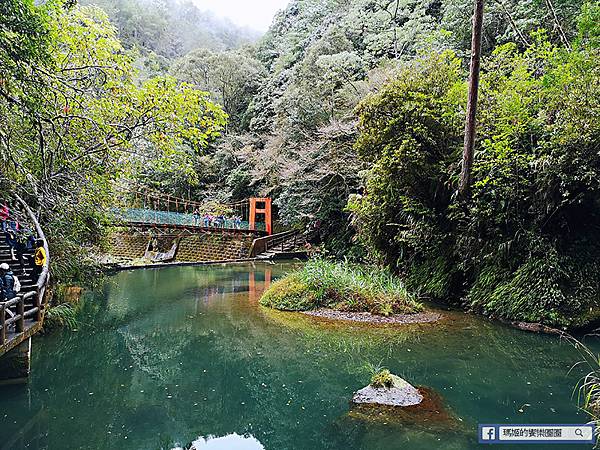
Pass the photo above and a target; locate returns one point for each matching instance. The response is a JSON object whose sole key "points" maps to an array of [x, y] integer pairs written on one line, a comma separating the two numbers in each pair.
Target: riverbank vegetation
{"points": [[524, 245], [341, 286], [587, 390]]}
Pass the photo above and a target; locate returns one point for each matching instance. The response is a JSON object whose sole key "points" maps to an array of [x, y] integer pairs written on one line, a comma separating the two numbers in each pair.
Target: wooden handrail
{"points": [[36, 308], [19, 317], [2, 324], [45, 271], [263, 244]]}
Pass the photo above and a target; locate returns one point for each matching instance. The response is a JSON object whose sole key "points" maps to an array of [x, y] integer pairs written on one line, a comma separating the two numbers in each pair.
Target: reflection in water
{"points": [[163, 356], [230, 442], [256, 290]]}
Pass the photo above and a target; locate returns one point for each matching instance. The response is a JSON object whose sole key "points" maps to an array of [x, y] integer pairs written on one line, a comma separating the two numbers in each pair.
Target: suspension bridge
{"points": [[164, 228], [147, 208]]}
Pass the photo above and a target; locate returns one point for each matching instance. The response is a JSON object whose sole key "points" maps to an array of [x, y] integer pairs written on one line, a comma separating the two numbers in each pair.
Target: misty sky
{"points": [[256, 14]]}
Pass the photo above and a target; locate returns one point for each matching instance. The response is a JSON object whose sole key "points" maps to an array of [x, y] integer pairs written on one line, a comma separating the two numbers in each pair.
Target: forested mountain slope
{"points": [[365, 99], [320, 58], [171, 28]]}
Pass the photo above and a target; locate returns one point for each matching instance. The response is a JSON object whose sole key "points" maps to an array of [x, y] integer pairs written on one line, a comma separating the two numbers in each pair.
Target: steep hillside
{"points": [[171, 28]]}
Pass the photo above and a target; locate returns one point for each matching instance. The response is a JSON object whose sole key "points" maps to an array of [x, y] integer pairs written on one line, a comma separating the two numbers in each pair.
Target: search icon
{"points": [[579, 432]]}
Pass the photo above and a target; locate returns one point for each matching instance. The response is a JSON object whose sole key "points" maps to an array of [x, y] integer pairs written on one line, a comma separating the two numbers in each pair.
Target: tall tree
{"points": [[471, 121]]}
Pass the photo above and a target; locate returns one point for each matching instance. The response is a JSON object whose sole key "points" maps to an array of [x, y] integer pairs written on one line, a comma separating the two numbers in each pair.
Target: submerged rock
{"points": [[402, 404], [401, 393], [429, 413]]}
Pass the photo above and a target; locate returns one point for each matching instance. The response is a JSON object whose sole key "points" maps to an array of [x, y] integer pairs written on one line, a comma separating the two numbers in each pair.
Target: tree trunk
{"points": [[467, 165]]}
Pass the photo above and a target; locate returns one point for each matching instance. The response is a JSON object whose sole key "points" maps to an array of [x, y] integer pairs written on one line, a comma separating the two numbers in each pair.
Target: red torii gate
{"points": [[265, 209]]}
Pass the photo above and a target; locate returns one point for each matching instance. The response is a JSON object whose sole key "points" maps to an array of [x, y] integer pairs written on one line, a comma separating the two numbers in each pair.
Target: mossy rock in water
{"points": [[394, 391], [382, 379], [429, 414]]}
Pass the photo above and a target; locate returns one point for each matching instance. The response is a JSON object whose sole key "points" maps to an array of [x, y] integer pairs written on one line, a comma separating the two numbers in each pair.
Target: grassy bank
{"points": [[341, 286]]}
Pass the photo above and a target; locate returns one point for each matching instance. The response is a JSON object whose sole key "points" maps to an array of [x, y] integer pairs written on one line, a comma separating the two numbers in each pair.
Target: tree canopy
{"points": [[73, 119]]}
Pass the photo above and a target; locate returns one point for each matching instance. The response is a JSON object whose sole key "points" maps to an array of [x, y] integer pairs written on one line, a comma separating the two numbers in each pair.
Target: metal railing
{"points": [[149, 216]]}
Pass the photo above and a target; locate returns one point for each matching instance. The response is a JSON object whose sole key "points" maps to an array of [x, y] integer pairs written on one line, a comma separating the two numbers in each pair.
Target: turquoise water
{"points": [[166, 357]]}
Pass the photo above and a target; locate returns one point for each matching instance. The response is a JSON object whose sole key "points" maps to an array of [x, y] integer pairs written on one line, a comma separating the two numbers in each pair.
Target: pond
{"points": [[163, 358]]}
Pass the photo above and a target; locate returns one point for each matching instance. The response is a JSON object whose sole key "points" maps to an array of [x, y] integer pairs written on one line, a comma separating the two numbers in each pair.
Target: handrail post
{"points": [[21, 313], [2, 325], [38, 304]]}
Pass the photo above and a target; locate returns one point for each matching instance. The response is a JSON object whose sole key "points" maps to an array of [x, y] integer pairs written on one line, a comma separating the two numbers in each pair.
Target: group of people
{"points": [[21, 241], [220, 221]]}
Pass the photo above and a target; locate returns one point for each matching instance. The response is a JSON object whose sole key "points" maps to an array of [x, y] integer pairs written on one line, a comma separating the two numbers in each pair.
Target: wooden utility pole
{"points": [[467, 165]]}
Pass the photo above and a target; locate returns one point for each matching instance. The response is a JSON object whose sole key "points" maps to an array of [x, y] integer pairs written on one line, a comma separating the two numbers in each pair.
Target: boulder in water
{"points": [[400, 393]]}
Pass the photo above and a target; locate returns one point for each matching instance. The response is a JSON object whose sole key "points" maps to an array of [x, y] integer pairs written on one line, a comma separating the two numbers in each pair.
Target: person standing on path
{"points": [[7, 282], [39, 259]]}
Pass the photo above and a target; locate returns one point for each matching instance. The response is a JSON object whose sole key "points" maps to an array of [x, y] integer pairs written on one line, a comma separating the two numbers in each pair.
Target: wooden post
{"points": [[37, 301], [471, 122], [21, 313], [2, 325]]}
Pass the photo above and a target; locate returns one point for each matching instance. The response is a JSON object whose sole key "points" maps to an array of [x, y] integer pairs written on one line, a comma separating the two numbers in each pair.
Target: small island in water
{"points": [[338, 290]]}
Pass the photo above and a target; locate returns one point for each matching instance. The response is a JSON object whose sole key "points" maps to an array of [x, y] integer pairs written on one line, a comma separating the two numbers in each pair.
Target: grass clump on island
{"points": [[341, 286]]}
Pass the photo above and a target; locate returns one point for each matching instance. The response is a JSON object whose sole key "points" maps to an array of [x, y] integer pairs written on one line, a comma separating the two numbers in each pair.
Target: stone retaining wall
{"points": [[197, 247]]}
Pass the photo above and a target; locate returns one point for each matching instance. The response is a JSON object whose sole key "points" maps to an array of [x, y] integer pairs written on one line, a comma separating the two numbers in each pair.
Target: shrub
{"points": [[60, 316], [289, 294]]}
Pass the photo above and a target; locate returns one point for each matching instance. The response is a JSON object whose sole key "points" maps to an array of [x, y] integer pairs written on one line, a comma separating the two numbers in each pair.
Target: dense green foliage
{"points": [[233, 77], [73, 120], [320, 58], [341, 286], [291, 99], [588, 387], [135, 101], [61, 316], [524, 246]]}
